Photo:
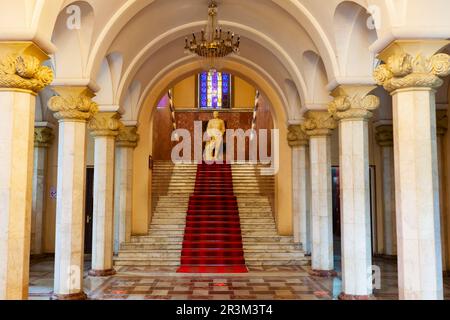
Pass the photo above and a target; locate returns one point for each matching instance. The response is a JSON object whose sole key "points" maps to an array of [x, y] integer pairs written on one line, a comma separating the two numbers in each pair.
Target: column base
{"points": [[344, 296], [71, 296], [323, 273], [102, 273]]}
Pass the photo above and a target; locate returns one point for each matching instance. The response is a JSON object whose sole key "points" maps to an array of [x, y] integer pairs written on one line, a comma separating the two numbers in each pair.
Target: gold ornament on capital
{"points": [[296, 136], [319, 123], [105, 124], [24, 72], [43, 136], [355, 107], [127, 137], [385, 135], [73, 107], [405, 71]]}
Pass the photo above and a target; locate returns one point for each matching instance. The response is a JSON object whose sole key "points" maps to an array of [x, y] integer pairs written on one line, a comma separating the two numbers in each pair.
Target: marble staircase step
{"points": [[244, 226], [173, 254], [257, 246], [253, 262], [172, 187], [158, 239], [278, 262], [182, 221], [144, 262], [151, 246]]}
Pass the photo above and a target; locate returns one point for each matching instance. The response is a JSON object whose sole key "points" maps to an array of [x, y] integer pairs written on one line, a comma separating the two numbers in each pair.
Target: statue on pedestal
{"points": [[215, 130]]}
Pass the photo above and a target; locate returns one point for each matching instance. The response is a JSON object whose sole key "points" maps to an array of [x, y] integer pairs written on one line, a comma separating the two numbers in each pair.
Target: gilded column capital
{"points": [[128, 137], [105, 124], [441, 122], [353, 102], [21, 67], [413, 64], [296, 136], [385, 135], [319, 123], [43, 137], [73, 103]]}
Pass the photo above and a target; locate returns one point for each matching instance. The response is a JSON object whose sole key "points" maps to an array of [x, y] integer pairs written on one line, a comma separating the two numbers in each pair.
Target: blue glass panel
{"points": [[214, 90]]}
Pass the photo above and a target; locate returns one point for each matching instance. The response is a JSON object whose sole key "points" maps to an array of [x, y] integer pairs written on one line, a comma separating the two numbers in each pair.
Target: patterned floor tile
{"points": [[162, 283]]}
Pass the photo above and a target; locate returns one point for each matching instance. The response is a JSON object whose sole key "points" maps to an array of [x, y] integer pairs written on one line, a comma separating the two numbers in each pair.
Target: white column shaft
{"points": [[299, 194], [355, 207], [103, 224], [70, 203], [321, 203], [307, 247], [123, 196], [39, 168], [16, 170], [417, 195]]}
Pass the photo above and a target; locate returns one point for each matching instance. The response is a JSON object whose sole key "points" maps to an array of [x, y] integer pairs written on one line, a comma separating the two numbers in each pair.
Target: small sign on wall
{"points": [[53, 193]]}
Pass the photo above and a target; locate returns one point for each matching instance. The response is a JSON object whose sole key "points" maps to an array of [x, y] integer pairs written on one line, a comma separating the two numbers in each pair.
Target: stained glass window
{"points": [[214, 90]]}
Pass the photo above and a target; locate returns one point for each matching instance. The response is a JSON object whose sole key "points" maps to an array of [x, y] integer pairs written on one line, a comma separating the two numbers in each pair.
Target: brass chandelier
{"points": [[213, 44]]}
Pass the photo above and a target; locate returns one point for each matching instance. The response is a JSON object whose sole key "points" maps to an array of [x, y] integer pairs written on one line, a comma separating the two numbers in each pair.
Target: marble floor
{"points": [[265, 283]]}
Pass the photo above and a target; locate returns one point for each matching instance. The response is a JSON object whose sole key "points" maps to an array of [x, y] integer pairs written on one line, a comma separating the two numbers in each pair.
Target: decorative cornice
{"points": [[441, 122], [384, 135], [128, 137], [412, 65], [105, 124], [73, 103], [353, 102], [319, 123], [21, 69], [43, 137], [296, 136]]}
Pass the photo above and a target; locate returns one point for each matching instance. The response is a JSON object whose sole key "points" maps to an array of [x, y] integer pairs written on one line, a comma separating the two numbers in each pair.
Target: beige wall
{"points": [[244, 94], [184, 94], [89, 150]]}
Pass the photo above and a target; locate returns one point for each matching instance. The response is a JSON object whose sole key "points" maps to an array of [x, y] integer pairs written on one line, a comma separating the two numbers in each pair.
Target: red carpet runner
{"points": [[212, 239]]}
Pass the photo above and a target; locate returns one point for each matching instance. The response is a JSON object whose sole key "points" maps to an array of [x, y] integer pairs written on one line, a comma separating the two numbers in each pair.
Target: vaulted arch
{"points": [[72, 36], [354, 33], [318, 96], [108, 80]]}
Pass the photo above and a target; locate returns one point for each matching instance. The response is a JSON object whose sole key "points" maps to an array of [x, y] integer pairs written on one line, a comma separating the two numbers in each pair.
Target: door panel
{"points": [[89, 208]]}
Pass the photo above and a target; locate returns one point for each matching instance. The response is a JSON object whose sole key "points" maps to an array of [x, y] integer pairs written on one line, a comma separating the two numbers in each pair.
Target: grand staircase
{"points": [[174, 184]]}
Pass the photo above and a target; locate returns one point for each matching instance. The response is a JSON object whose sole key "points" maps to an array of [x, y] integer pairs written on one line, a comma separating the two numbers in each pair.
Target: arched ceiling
{"points": [[154, 40], [276, 34]]}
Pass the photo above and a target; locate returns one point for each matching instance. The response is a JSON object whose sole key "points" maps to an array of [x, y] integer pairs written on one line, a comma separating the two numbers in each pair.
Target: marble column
{"points": [[298, 141], [43, 137], [441, 130], [412, 73], [125, 143], [73, 107], [307, 248], [21, 77], [318, 127], [384, 137], [104, 128], [352, 107]]}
